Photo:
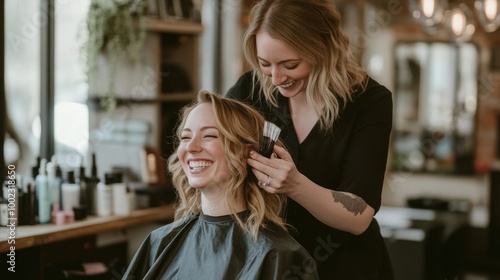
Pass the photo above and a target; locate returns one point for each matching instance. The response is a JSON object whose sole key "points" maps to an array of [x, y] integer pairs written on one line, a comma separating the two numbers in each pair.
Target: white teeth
{"points": [[287, 85], [199, 164]]}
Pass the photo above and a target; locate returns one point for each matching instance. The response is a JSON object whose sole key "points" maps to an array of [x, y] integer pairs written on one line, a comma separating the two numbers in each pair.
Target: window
{"points": [[22, 82], [23, 22], [71, 89]]}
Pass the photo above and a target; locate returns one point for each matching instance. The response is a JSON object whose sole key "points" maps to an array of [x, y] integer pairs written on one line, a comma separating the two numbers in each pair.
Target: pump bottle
{"points": [[42, 194]]}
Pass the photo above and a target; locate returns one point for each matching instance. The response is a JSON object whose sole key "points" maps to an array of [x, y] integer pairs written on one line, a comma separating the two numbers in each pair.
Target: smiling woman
{"points": [[224, 220]]}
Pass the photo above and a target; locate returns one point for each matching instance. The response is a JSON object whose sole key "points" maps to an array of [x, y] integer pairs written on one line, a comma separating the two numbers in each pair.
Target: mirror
{"points": [[435, 100]]}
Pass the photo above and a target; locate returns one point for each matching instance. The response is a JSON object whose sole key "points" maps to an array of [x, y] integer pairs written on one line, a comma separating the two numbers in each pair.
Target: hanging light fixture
{"points": [[428, 12], [456, 16], [458, 20], [488, 13]]}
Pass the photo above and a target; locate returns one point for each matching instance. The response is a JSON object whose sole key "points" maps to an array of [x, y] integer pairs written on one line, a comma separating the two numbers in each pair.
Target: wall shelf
{"points": [[176, 96], [95, 101], [173, 26], [155, 91]]}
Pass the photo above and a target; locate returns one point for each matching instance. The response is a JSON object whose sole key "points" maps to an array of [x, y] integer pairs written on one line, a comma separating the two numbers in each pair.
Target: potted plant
{"points": [[115, 28]]}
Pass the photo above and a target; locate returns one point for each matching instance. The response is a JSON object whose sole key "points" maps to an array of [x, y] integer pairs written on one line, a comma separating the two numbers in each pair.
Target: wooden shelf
{"points": [[173, 26], [165, 97], [147, 93], [176, 96], [29, 236], [120, 101]]}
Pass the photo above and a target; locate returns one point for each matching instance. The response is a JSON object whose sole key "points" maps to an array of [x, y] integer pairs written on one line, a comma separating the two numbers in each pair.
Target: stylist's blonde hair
{"points": [[312, 28], [239, 125]]}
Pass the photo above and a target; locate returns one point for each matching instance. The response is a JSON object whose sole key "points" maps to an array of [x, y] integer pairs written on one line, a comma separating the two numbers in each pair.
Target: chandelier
{"points": [[456, 16]]}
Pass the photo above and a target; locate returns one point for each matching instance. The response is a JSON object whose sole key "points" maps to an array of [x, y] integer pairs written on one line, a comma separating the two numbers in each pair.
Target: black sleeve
{"points": [[366, 155]]}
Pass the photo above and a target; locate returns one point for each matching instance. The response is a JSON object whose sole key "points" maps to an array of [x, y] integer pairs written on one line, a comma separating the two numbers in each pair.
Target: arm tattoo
{"points": [[354, 204]]}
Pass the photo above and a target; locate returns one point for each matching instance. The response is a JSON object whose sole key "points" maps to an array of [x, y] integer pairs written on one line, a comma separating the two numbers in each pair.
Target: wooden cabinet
{"points": [[151, 93]]}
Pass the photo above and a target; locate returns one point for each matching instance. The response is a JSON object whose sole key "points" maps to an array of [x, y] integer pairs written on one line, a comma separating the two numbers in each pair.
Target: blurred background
{"points": [[107, 78]]}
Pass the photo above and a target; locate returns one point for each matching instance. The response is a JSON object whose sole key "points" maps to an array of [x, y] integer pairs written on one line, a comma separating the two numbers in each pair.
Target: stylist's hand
{"points": [[280, 172]]}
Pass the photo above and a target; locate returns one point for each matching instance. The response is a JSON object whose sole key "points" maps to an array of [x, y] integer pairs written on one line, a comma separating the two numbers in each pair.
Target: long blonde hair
{"points": [[239, 125], [312, 28]]}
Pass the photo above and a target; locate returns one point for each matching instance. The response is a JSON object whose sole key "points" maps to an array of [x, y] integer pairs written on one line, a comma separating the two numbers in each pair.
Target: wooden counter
{"points": [[29, 236]]}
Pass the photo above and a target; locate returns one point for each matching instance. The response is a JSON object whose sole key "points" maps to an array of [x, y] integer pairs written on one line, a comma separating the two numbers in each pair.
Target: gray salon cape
{"points": [[206, 247]]}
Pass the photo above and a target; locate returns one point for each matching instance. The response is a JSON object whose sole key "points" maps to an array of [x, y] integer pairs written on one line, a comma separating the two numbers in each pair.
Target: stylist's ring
{"points": [[266, 183]]}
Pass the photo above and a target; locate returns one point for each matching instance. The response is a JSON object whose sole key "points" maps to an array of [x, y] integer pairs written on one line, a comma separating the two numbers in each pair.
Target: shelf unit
{"points": [[179, 47], [154, 91], [171, 26]]}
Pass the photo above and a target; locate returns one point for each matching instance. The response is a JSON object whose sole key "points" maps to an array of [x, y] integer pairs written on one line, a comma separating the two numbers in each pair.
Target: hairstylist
{"points": [[336, 123]]}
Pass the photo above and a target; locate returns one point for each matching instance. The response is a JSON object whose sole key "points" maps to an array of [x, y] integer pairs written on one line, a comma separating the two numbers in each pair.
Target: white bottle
{"points": [[42, 194], [70, 191], [131, 200], [119, 196], [103, 196]]}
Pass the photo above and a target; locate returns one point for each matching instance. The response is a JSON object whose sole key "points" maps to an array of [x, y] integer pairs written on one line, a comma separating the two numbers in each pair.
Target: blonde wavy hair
{"points": [[312, 28], [239, 125]]}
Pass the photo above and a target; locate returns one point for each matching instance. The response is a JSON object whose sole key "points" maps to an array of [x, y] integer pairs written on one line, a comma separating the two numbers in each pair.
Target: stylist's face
{"points": [[200, 150], [288, 71]]}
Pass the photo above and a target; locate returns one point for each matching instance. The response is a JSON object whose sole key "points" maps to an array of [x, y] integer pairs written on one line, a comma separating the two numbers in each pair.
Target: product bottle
{"points": [[60, 177], [70, 191], [42, 194], [58, 215], [31, 205], [11, 195], [81, 212], [3, 203], [35, 171], [69, 214], [104, 200], [4, 212], [92, 182], [21, 201], [131, 200], [119, 196], [54, 184]]}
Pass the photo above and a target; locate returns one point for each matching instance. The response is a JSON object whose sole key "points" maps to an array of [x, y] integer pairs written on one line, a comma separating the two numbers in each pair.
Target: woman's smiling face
{"points": [[201, 151], [288, 71]]}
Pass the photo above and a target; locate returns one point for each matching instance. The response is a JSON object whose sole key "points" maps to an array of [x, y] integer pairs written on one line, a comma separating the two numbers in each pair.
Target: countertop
{"points": [[28, 236]]}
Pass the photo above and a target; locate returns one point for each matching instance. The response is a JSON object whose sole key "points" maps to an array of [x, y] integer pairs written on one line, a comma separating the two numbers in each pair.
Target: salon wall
{"points": [[400, 186]]}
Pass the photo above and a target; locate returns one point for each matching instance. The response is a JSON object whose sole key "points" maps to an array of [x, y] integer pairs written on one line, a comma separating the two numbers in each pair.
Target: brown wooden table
{"points": [[30, 236]]}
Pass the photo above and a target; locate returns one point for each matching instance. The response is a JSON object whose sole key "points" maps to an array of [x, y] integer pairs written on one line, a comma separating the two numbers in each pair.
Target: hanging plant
{"points": [[115, 27]]}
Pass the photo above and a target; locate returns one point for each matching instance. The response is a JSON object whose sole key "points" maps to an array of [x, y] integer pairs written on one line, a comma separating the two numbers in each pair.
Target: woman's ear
{"points": [[248, 148]]}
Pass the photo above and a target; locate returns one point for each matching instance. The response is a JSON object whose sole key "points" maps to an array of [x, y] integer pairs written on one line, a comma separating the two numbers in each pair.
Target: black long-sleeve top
{"points": [[352, 158]]}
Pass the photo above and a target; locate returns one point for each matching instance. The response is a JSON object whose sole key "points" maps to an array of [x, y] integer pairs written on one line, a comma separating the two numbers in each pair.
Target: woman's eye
{"points": [[210, 136], [291, 67], [265, 65]]}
